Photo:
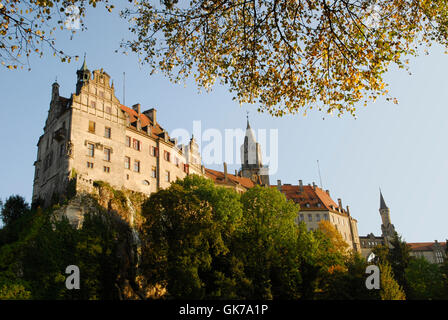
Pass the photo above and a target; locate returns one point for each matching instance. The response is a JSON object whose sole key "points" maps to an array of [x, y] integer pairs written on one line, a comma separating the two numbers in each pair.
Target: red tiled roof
{"points": [[310, 195], [424, 246], [145, 121], [218, 177]]}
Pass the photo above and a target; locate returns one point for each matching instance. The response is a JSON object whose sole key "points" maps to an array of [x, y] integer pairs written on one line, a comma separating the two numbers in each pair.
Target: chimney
{"points": [[300, 185], [225, 171], [151, 114], [279, 185], [236, 173], [348, 210], [340, 204], [314, 186], [136, 108], [328, 192]]}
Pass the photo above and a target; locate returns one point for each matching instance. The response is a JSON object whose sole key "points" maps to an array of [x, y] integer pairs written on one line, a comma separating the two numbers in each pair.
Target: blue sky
{"points": [[400, 148]]}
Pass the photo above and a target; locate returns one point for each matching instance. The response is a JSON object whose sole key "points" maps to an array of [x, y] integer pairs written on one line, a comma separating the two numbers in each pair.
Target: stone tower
{"points": [[387, 228], [83, 76], [251, 162]]}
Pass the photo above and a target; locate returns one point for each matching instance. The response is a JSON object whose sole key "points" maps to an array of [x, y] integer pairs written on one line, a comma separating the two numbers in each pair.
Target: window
{"points": [[91, 126], [102, 93], [128, 141], [108, 110], [154, 151], [136, 144], [146, 182], [318, 217], [186, 168], [154, 172], [90, 165], [301, 217], [177, 162], [107, 132], [167, 176], [137, 166], [106, 154], [91, 149], [326, 216], [127, 163], [107, 169], [166, 156], [93, 104], [61, 149], [310, 217]]}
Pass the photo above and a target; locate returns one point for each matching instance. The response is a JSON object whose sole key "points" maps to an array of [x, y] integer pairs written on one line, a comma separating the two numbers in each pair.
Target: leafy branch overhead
{"points": [[28, 27], [287, 56]]}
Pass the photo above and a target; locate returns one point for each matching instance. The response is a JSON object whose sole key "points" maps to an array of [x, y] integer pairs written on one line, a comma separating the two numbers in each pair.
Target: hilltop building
{"points": [[434, 252], [387, 231], [92, 136], [316, 205]]}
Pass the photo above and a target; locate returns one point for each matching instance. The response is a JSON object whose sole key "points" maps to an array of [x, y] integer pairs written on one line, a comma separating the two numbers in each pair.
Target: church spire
{"points": [[84, 65], [382, 202]]}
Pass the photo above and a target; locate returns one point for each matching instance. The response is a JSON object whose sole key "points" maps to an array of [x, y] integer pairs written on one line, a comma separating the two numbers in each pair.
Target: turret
{"points": [[54, 91], [384, 211], [83, 76], [251, 163], [387, 228]]}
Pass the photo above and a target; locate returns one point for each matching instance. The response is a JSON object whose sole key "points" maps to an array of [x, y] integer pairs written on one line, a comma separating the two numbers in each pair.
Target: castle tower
{"points": [[387, 228], [251, 162], [83, 76]]}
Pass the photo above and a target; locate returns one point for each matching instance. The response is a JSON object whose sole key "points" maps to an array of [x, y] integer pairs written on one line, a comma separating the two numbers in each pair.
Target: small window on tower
{"points": [[91, 150], [127, 162], [91, 126], [107, 132], [106, 154]]}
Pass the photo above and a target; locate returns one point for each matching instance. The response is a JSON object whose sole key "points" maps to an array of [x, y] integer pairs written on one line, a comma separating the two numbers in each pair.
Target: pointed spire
{"points": [[84, 65], [247, 116], [382, 202]]}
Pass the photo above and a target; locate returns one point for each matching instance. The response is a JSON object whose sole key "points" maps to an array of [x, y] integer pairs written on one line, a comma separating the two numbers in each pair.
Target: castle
{"points": [[91, 136]]}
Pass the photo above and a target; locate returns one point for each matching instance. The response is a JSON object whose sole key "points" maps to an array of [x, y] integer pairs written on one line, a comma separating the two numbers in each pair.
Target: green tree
{"points": [[267, 244], [14, 208], [34, 265], [186, 234], [348, 283], [398, 256], [424, 280], [389, 288], [286, 56]]}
